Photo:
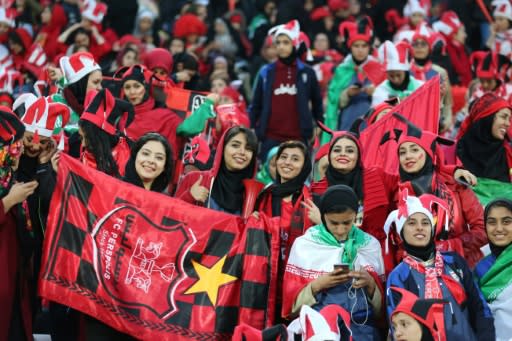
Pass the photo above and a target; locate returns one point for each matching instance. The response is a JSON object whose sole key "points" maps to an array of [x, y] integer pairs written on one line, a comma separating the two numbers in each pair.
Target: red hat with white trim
{"points": [[9, 79], [11, 128], [502, 8], [417, 6], [35, 60], [449, 24], [8, 16], [291, 29], [77, 66], [93, 11], [394, 57], [327, 324], [352, 31]]}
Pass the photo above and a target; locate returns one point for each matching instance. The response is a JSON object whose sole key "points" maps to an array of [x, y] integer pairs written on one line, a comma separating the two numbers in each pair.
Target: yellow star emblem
{"points": [[210, 279]]}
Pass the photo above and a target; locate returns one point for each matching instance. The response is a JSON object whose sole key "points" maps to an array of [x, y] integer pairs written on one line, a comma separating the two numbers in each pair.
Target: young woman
{"points": [[483, 142], [430, 274], [150, 165], [221, 188], [494, 272], [336, 263], [15, 240]]}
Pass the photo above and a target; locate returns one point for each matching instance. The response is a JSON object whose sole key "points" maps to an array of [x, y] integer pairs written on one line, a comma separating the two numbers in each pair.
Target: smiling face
{"points": [[32, 149], [417, 230], [236, 154], [406, 328], [412, 157], [340, 224], [499, 226], [344, 155], [501, 123], [290, 163], [134, 91], [150, 161]]}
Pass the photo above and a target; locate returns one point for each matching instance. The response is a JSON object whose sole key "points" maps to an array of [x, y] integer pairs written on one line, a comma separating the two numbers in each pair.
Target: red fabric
{"points": [[460, 62], [161, 120], [51, 31], [9, 272], [137, 256], [120, 153], [159, 57], [189, 24], [283, 123]]}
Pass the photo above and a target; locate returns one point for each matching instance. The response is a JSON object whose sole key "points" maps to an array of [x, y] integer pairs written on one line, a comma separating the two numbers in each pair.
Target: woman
{"points": [[430, 274], [103, 146], [422, 171], [267, 173], [350, 91], [151, 115], [221, 188], [494, 272], [336, 263], [483, 142], [15, 240], [150, 165]]}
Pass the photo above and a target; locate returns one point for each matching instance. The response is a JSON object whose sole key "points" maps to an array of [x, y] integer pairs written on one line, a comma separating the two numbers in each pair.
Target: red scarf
{"points": [[419, 72], [432, 275]]}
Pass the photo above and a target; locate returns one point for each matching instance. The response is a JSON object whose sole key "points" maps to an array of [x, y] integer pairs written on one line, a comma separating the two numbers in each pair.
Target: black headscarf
{"points": [[290, 59], [292, 187], [497, 250], [421, 181], [483, 154], [336, 198], [228, 189], [74, 94], [353, 179]]}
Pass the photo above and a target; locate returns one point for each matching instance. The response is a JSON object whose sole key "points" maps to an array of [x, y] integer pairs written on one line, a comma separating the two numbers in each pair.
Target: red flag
{"points": [[421, 108], [154, 266], [375, 71], [183, 102]]}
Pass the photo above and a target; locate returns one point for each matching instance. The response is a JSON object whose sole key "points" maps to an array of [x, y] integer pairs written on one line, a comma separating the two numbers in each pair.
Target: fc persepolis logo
{"points": [[135, 264]]}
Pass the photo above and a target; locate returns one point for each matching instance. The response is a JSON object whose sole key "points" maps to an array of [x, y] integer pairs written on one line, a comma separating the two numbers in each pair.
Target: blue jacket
{"points": [[472, 320], [308, 91]]}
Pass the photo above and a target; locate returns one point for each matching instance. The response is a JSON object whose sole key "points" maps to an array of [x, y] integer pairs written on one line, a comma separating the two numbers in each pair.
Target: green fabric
{"points": [[257, 21], [263, 175], [339, 82], [401, 94], [72, 125], [356, 239], [487, 190], [499, 276], [195, 123]]}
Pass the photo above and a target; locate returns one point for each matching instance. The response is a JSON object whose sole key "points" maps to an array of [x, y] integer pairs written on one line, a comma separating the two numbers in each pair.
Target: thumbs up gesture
{"points": [[198, 191]]}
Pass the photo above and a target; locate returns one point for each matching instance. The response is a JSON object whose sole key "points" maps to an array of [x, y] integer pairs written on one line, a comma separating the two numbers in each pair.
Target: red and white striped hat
{"points": [[291, 29], [7, 15], [77, 66], [93, 11], [502, 8], [35, 60], [417, 6], [395, 57], [449, 24], [9, 79]]}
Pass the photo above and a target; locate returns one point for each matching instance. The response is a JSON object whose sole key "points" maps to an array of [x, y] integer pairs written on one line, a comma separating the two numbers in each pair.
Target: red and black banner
{"points": [[183, 102], [153, 266]]}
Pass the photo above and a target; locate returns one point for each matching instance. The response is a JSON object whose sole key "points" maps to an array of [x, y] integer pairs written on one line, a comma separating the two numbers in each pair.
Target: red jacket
{"points": [[13, 280], [460, 62]]}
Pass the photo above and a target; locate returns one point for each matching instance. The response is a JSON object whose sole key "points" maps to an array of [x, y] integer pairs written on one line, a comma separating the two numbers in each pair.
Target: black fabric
{"points": [[228, 188], [481, 153], [337, 197], [421, 181], [292, 187], [74, 94], [290, 59], [353, 179], [403, 86], [422, 61], [422, 252], [425, 333]]}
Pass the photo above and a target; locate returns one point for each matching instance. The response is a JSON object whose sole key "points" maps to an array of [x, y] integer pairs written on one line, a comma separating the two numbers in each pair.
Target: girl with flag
{"points": [[494, 272], [335, 262], [431, 274]]}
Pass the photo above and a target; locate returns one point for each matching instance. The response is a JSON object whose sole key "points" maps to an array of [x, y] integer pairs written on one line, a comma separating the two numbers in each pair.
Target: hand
{"points": [[313, 211], [214, 97], [199, 192], [256, 214], [329, 280], [363, 279], [466, 175], [55, 161], [369, 90], [46, 155], [353, 91], [54, 73], [183, 76], [18, 193]]}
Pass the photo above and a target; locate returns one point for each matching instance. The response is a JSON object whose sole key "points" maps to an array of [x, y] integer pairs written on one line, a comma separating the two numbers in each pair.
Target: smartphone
{"points": [[342, 266], [358, 85]]}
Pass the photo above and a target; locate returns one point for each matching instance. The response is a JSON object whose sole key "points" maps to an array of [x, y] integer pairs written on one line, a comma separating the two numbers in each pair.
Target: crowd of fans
{"points": [[289, 85]]}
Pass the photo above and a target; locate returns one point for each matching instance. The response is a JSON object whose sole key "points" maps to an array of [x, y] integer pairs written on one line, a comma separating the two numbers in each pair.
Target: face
{"points": [[83, 138], [150, 161], [488, 84], [416, 19], [344, 155], [501, 123], [15, 47], [406, 328], [237, 156], [82, 39], [177, 46], [129, 59], [46, 15], [499, 226], [272, 167], [284, 46], [417, 230], [412, 157], [219, 27], [321, 42], [360, 50], [134, 91], [396, 77], [145, 24], [501, 24], [340, 224], [4, 28], [218, 85], [461, 35], [420, 49], [160, 73], [290, 163], [94, 81], [32, 149]]}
